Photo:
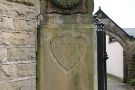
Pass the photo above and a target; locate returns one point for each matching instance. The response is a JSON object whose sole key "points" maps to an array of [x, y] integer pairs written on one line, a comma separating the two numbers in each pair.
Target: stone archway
{"points": [[113, 30], [125, 49]]}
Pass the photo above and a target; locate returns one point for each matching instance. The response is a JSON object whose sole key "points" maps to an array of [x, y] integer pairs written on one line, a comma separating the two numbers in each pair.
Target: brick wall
{"points": [[18, 27]]}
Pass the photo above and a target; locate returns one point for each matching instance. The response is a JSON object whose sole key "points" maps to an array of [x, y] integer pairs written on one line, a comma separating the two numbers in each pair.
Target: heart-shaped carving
{"points": [[67, 50]]}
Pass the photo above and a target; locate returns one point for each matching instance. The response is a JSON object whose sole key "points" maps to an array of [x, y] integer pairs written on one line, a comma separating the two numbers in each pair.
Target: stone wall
{"points": [[18, 27], [131, 60]]}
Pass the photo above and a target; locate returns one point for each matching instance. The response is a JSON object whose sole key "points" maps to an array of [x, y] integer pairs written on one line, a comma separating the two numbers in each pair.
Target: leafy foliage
{"points": [[132, 82]]}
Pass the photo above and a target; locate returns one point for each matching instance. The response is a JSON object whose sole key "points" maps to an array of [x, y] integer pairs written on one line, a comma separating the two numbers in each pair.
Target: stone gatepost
{"points": [[66, 46]]}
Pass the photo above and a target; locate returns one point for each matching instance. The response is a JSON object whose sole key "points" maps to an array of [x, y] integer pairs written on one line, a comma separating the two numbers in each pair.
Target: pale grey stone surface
{"points": [[26, 69], [67, 59], [21, 54]]}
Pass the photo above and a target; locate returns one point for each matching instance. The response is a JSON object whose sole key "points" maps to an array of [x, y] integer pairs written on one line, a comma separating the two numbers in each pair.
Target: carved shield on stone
{"points": [[68, 50], [66, 4]]}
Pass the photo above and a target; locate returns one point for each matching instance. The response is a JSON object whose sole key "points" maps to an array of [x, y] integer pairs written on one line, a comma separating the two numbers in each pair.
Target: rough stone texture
{"points": [[2, 74], [7, 23], [3, 54], [18, 27], [67, 48], [10, 70], [30, 26], [21, 54], [131, 61], [18, 39], [67, 59], [6, 86], [29, 84], [26, 69]]}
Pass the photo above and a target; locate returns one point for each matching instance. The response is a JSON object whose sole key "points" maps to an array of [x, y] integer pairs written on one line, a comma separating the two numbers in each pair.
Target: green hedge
{"points": [[132, 82]]}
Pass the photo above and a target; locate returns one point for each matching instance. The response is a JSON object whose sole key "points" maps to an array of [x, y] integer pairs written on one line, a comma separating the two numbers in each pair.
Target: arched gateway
{"points": [[127, 42]]}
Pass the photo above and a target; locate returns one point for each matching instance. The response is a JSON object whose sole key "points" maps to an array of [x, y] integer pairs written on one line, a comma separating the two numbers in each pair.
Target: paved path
{"points": [[115, 85]]}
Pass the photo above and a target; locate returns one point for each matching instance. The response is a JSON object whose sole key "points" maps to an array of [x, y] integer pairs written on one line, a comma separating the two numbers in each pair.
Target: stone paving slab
{"points": [[117, 85], [129, 87]]}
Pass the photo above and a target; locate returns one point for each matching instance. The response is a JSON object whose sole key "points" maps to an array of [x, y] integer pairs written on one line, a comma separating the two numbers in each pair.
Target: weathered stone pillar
{"points": [[67, 46]]}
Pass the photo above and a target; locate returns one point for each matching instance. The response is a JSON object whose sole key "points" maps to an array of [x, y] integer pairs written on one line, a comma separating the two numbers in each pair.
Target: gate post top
{"points": [[75, 11], [67, 7]]}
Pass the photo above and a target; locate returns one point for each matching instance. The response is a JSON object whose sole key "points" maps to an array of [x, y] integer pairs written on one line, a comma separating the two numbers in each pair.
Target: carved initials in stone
{"points": [[68, 50]]}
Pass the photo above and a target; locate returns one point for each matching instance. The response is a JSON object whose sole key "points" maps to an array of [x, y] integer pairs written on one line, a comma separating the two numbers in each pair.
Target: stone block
{"points": [[2, 74], [29, 2], [5, 8], [30, 39], [17, 39], [25, 25], [25, 2], [13, 39], [23, 11], [3, 54], [20, 25], [21, 54], [29, 84], [6, 86], [6, 23], [26, 69], [10, 70]]}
